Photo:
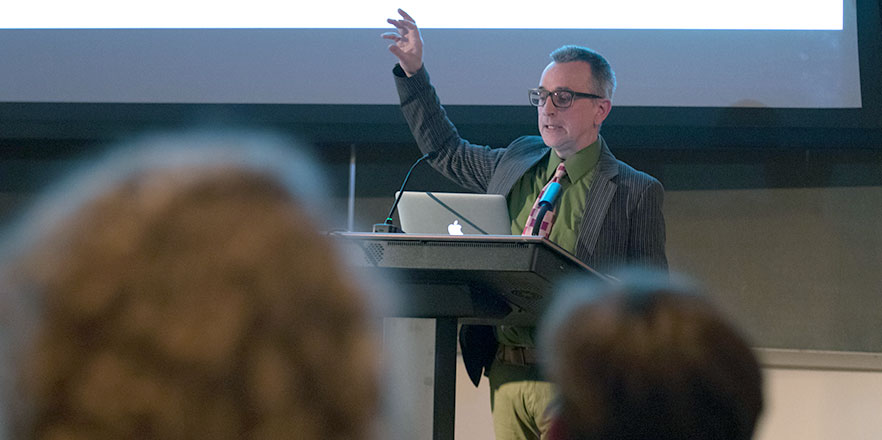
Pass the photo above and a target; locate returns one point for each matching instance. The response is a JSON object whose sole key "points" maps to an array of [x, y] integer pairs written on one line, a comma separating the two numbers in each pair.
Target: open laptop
{"points": [[453, 213]]}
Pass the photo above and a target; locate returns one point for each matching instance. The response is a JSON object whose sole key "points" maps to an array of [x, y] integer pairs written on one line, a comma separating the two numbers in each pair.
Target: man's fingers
{"points": [[406, 24], [394, 22], [406, 16], [403, 26], [407, 38], [396, 50]]}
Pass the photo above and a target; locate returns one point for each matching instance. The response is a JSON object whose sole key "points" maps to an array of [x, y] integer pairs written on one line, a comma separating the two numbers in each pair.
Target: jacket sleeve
{"points": [[469, 165]]}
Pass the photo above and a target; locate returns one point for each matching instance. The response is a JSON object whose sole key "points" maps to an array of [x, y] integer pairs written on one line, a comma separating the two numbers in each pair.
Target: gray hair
{"points": [[604, 79]]}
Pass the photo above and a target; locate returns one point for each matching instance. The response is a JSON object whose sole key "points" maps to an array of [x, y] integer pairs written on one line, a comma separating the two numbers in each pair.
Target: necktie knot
{"points": [[559, 173]]}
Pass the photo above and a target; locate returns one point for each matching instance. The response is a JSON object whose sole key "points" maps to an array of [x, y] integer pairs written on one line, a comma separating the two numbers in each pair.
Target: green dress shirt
{"points": [[568, 212]]}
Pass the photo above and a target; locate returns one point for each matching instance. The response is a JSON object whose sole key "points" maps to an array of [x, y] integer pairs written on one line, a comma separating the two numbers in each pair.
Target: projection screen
{"points": [[746, 53]]}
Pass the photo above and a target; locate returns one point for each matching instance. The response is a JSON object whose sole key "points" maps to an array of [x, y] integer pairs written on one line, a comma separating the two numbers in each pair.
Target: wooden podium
{"points": [[474, 279]]}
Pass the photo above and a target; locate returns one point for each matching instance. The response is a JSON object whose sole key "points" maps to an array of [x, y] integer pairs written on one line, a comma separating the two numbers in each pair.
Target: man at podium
{"points": [[603, 211]]}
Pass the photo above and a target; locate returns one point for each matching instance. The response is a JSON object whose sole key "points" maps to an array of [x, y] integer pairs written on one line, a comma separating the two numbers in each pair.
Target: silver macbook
{"points": [[453, 213]]}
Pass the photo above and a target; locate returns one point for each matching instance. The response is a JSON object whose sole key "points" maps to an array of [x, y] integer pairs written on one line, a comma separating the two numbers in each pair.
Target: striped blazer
{"points": [[622, 223]]}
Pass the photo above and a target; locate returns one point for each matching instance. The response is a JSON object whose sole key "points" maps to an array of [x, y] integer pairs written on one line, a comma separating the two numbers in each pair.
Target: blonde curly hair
{"points": [[191, 298]]}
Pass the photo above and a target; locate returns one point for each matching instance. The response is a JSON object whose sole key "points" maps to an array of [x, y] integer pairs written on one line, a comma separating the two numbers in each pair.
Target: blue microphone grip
{"points": [[550, 194]]}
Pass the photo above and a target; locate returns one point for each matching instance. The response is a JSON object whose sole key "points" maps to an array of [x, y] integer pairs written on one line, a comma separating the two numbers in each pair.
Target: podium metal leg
{"points": [[421, 356], [444, 393]]}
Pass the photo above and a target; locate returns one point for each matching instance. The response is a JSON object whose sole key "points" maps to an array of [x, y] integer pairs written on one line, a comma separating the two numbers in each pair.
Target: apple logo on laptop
{"points": [[454, 228]]}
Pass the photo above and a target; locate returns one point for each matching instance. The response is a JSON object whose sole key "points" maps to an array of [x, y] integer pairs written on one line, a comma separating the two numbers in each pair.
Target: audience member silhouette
{"points": [[648, 358], [180, 289]]}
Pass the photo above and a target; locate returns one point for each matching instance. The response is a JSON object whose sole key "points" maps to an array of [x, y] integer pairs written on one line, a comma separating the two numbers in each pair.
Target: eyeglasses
{"points": [[562, 98]]}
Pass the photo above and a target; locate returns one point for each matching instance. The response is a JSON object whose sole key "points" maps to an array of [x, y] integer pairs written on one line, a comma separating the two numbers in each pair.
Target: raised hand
{"points": [[407, 43]]}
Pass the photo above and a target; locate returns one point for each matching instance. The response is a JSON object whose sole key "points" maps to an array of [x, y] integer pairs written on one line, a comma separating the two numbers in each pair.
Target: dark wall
{"points": [[777, 210]]}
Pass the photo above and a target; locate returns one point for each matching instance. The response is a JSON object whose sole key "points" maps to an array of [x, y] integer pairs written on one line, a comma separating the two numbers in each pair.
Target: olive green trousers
{"points": [[519, 398]]}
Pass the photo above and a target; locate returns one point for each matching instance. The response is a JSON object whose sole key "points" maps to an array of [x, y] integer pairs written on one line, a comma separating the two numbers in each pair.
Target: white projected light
{"points": [[451, 14], [675, 53]]}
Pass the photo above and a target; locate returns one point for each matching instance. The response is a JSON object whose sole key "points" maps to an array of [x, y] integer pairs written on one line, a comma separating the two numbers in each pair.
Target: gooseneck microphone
{"points": [[545, 203], [387, 226]]}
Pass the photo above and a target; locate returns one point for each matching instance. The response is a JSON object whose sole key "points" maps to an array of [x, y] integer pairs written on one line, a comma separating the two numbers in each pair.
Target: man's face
{"points": [[568, 130]]}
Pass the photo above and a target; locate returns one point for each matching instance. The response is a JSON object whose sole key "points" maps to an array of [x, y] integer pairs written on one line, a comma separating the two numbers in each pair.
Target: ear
{"points": [[603, 108]]}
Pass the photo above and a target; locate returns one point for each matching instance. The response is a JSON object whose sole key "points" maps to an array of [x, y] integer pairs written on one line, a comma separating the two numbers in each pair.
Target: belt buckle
{"points": [[514, 356]]}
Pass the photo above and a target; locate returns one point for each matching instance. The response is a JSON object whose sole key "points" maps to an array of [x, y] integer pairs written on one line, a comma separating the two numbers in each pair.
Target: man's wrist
{"points": [[400, 72]]}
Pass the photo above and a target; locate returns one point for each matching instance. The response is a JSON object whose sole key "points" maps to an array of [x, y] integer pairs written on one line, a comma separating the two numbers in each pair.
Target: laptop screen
{"points": [[453, 213]]}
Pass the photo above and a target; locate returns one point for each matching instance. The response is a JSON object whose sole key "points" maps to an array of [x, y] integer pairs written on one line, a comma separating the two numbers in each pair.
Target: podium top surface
{"points": [[520, 271], [464, 252]]}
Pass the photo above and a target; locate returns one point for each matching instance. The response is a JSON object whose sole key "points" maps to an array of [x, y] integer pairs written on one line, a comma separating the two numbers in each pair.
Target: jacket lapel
{"points": [[504, 179], [602, 191]]}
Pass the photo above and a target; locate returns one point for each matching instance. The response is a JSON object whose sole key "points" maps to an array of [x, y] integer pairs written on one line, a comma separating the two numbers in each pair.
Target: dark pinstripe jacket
{"points": [[622, 223]]}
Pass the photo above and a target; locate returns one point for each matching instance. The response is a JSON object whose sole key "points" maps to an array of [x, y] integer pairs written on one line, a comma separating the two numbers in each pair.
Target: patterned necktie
{"points": [[548, 219]]}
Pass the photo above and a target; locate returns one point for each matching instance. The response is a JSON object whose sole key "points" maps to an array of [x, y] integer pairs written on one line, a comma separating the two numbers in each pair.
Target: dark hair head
{"points": [[648, 358]]}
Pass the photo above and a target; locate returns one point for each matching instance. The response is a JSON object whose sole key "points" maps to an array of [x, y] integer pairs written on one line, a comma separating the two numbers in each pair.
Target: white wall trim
{"points": [[819, 360]]}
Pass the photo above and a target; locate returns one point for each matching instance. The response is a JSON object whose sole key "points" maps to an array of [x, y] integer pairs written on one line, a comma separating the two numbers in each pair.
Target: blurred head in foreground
{"points": [[648, 358], [180, 289]]}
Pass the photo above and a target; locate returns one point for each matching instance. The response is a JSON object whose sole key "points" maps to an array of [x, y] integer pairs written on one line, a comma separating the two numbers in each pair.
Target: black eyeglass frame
{"points": [[554, 95]]}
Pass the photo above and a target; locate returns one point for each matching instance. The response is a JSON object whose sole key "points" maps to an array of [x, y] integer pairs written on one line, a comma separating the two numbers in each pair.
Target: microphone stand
{"points": [[387, 226]]}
